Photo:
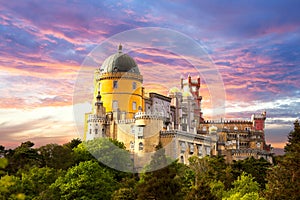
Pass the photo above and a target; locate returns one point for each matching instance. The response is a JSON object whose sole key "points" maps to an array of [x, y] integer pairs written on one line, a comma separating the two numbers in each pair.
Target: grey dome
{"points": [[119, 62]]}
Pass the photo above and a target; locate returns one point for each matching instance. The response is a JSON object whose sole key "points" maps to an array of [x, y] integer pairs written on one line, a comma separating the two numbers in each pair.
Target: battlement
{"points": [[125, 121], [117, 75], [95, 118], [226, 122], [149, 115]]}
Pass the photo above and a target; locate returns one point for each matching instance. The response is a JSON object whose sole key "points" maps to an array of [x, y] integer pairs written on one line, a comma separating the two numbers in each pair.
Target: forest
{"points": [[71, 171]]}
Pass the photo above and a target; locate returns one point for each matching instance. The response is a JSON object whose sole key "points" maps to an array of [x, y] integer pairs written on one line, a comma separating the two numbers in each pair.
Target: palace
{"points": [[122, 111]]}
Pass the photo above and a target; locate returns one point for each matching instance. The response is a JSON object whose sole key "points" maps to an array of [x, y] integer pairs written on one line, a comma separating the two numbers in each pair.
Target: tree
{"points": [[243, 188], [111, 153], [293, 139], [23, 157], [10, 186], [88, 180], [127, 189], [57, 156], [73, 143], [81, 154], [256, 167], [204, 173], [161, 183], [36, 181], [2, 151], [284, 178], [3, 164]]}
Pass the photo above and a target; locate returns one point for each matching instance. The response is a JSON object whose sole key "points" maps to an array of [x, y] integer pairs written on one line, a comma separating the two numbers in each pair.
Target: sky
{"points": [[255, 46]]}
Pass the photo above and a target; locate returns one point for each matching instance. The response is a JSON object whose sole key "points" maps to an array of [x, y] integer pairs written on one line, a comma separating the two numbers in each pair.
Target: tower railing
{"points": [[114, 75]]}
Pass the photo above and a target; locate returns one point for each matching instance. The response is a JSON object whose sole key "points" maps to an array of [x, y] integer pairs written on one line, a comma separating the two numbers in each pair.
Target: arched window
{"points": [[134, 105], [131, 145], [115, 84], [141, 146], [181, 159], [133, 85]]}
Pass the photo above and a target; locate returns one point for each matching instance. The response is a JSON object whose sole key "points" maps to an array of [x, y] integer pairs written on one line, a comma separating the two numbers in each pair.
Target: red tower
{"points": [[259, 121], [193, 86]]}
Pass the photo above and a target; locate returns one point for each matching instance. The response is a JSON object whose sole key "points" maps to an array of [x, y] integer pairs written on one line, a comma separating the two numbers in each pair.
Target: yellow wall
{"points": [[124, 93]]}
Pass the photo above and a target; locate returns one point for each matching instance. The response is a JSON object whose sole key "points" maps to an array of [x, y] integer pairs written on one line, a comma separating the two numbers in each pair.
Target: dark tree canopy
{"points": [[284, 179]]}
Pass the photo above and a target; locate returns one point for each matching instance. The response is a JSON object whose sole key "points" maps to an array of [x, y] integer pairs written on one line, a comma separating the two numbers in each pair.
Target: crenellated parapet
{"points": [[226, 122], [148, 115], [117, 75], [94, 118]]}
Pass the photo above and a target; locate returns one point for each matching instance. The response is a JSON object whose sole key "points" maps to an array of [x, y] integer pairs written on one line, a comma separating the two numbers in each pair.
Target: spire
{"points": [[98, 97], [120, 48]]}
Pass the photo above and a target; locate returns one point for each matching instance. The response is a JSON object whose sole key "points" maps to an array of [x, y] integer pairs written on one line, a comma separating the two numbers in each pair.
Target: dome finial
{"points": [[120, 48]]}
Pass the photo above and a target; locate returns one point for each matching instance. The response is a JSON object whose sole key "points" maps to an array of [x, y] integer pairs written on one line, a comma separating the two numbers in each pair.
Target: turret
{"points": [[259, 121], [100, 110]]}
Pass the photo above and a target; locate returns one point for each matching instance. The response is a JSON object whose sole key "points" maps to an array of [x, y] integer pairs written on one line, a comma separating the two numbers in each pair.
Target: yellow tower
{"points": [[120, 84]]}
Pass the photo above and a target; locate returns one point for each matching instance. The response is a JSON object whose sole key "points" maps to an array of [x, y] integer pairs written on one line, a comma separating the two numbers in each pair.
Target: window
{"points": [[96, 131], [258, 145], [134, 105], [115, 84], [191, 148], [181, 159], [207, 149], [131, 145], [140, 132], [115, 105], [133, 85], [199, 147], [182, 147], [141, 146], [90, 131], [132, 130]]}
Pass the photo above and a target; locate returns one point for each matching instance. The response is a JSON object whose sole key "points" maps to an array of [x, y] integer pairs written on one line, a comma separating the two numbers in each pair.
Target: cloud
{"points": [[40, 125], [254, 45]]}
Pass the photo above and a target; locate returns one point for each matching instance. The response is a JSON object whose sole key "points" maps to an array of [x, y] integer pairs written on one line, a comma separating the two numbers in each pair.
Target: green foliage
{"points": [[111, 153], [37, 180], [56, 156], [284, 179], [2, 151], [127, 189], [209, 174], [73, 143], [3, 164], [293, 138], [243, 188], [204, 173], [256, 167], [87, 170], [81, 154], [10, 188], [161, 183], [124, 194], [23, 157], [217, 188], [88, 180]]}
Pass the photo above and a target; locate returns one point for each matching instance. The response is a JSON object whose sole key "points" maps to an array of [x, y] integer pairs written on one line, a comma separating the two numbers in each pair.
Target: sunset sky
{"points": [[255, 45]]}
